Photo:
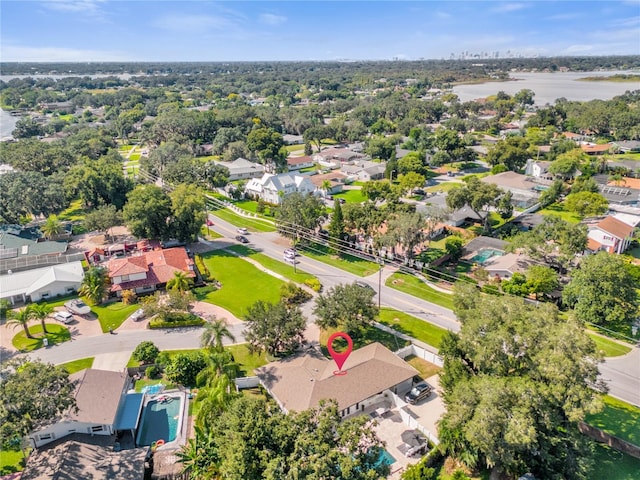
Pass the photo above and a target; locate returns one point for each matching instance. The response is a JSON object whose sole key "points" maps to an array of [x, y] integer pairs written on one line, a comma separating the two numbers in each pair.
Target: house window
{"points": [[46, 436], [70, 289], [97, 428], [44, 295], [124, 278]]}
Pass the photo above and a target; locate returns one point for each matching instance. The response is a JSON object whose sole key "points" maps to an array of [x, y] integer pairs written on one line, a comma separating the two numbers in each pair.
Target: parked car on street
{"points": [[362, 284], [64, 317], [242, 239], [77, 307], [419, 392]]}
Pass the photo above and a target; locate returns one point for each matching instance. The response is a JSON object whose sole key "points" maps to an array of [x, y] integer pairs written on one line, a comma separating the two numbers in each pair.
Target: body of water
{"points": [[548, 87], [7, 124]]}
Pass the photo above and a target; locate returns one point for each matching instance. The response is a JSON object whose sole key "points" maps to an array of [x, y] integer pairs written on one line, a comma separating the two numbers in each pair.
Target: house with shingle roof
{"points": [[242, 168], [609, 234], [272, 188], [41, 283], [298, 163], [148, 271], [301, 382]]}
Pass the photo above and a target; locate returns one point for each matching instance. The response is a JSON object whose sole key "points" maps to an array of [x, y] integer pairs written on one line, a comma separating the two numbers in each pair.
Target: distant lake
{"points": [[548, 87]]}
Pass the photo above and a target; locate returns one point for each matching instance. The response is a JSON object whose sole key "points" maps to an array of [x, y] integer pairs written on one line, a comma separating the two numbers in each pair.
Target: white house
{"points": [[41, 283], [298, 163], [101, 398], [364, 170], [610, 234], [272, 188], [538, 169], [242, 168]]}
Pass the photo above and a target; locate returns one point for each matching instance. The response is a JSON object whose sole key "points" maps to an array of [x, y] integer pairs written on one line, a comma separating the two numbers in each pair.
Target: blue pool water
{"points": [[160, 421], [385, 458], [485, 254]]}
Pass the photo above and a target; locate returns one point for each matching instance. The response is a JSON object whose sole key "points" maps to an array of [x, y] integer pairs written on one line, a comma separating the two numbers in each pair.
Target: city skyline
{"points": [[103, 30]]}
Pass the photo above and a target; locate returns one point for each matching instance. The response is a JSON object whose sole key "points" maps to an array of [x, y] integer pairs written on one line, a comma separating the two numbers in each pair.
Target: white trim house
{"points": [[272, 188], [41, 283]]}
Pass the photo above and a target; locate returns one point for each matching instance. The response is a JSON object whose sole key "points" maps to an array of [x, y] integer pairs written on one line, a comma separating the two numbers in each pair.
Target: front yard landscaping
{"points": [[558, 210], [614, 465], [351, 196], [281, 268], [367, 336], [242, 283], [416, 287], [241, 221], [412, 326], [112, 315], [77, 365], [57, 334], [618, 418], [609, 348]]}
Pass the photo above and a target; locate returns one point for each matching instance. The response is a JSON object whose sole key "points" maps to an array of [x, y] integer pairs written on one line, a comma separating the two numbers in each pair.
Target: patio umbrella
{"points": [[413, 438]]}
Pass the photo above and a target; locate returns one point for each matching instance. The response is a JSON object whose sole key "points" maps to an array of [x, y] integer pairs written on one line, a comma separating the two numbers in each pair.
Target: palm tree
{"points": [[40, 311], [215, 330], [617, 179], [52, 227], [180, 282], [21, 318], [94, 285], [325, 186]]}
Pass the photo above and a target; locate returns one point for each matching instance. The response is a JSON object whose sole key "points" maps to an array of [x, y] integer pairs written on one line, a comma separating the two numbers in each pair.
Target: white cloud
{"points": [[626, 22], [509, 7], [565, 16], [442, 15], [271, 19], [573, 49], [84, 7], [191, 23], [16, 53]]}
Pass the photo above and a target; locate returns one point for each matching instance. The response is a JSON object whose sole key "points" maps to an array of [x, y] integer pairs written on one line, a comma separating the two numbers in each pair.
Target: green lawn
{"points": [[558, 210], [634, 252], [74, 213], [241, 221], [416, 287], [351, 196], [426, 369], [11, 461], [242, 283], [209, 234], [614, 465], [134, 157], [609, 348], [248, 362], [294, 148], [618, 418], [443, 187], [140, 384], [113, 314], [369, 335], [57, 334], [77, 365], [351, 264], [412, 326], [282, 268]]}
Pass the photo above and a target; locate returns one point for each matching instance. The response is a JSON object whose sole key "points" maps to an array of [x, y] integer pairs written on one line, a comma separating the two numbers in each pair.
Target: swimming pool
{"points": [[485, 254], [161, 420], [384, 458]]}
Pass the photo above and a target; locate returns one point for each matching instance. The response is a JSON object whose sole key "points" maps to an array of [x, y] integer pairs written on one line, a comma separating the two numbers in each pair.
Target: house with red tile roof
{"points": [[609, 234], [596, 149], [148, 271]]}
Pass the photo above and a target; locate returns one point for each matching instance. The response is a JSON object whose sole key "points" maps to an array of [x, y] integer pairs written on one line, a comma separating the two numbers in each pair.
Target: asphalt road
{"points": [[622, 374]]}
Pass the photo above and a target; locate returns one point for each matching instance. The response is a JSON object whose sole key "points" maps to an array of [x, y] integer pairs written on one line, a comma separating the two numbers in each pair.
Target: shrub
{"points": [[291, 294], [453, 245], [203, 291], [146, 352], [153, 371], [202, 268], [175, 320], [129, 297], [490, 289], [314, 284]]}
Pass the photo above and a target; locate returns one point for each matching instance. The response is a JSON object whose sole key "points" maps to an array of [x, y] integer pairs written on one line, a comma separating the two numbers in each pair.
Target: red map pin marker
{"points": [[340, 357]]}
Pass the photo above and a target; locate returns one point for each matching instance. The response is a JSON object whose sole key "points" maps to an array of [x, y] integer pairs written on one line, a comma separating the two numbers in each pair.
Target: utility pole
{"points": [[381, 263]]}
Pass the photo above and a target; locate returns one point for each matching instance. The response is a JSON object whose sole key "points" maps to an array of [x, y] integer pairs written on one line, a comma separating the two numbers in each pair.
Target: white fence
{"points": [[247, 382], [420, 353]]}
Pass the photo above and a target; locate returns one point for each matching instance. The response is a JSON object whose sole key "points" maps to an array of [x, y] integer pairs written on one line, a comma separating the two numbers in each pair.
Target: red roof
{"points": [[299, 160], [615, 227], [160, 266], [596, 148]]}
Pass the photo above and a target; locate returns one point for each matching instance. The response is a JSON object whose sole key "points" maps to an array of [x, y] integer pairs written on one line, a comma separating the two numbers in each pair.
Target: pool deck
{"points": [[183, 427]]}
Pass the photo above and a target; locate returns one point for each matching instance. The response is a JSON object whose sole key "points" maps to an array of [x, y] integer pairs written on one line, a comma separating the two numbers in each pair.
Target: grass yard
{"points": [[416, 287], [426, 369], [618, 418], [351, 196], [443, 187], [134, 157], [609, 348], [634, 252], [241, 221], [248, 362], [140, 384], [242, 283], [77, 365], [614, 465], [282, 268], [558, 210], [113, 314], [368, 336], [412, 326], [73, 213], [294, 148], [209, 234], [57, 334], [351, 264], [11, 461]]}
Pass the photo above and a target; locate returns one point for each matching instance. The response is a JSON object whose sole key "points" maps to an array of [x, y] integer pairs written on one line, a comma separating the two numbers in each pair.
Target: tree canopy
{"points": [[349, 306], [517, 380], [477, 195], [298, 213], [276, 328]]}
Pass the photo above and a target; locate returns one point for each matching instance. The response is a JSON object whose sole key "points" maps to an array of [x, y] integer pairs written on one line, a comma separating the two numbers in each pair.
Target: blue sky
{"points": [[105, 30]]}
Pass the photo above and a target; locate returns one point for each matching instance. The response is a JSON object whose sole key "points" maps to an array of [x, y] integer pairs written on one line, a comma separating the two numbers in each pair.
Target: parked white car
{"points": [[242, 231], [137, 315], [64, 317]]}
